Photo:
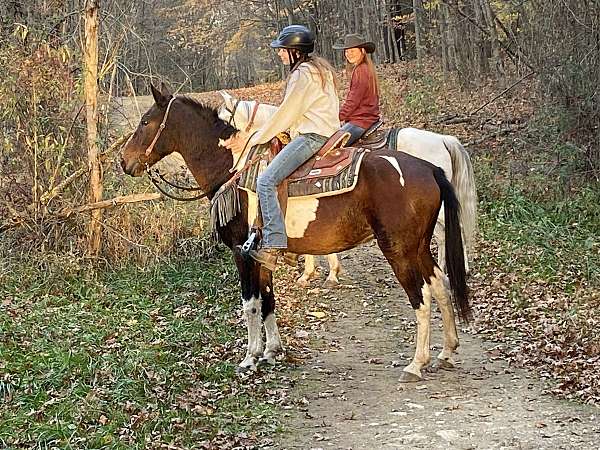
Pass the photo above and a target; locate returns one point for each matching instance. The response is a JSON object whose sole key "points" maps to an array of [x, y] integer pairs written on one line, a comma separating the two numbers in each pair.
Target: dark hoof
{"points": [[442, 364], [266, 362], [329, 284], [408, 377], [244, 369]]}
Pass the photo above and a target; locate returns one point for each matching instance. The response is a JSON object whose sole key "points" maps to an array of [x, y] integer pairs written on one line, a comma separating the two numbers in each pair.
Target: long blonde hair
{"points": [[323, 67]]}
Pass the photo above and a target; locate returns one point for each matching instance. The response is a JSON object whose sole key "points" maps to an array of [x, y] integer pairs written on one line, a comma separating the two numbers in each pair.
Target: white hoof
{"points": [[247, 365]]}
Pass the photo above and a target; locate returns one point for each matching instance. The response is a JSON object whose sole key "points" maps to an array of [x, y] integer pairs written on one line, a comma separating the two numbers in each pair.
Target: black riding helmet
{"points": [[295, 37]]}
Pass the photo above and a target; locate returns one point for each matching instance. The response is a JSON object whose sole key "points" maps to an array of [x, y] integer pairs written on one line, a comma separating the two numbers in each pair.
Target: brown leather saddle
{"points": [[328, 161], [332, 170], [374, 138]]}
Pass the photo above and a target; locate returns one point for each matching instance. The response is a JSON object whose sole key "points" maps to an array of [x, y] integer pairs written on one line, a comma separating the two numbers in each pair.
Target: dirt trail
{"points": [[348, 396]]}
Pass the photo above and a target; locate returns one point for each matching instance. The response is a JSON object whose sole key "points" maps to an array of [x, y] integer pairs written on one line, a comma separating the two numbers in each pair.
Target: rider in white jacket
{"points": [[310, 111]]}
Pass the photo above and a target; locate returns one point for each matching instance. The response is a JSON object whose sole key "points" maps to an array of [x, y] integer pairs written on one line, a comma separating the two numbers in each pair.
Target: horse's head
{"points": [[150, 142], [229, 111]]}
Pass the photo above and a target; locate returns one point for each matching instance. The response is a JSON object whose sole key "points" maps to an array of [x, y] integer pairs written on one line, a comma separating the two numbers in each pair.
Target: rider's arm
{"points": [[295, 103], [358, 89]]}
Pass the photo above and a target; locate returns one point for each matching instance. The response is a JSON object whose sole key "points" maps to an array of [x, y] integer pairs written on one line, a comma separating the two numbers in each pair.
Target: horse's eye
{"points": [[144, 122]]}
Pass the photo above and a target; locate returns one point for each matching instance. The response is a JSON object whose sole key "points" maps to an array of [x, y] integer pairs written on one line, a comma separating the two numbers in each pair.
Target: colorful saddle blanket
{"points": [[333, 174]]}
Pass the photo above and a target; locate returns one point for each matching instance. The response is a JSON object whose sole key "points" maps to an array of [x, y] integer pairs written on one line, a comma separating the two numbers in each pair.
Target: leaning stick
{"points": [[121, 200]]}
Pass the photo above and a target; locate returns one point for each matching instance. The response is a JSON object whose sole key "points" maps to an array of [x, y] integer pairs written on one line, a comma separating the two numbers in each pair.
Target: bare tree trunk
{"points": [[490, 18], [91, 106], [442, 13], [449, 37], [418, 8]]}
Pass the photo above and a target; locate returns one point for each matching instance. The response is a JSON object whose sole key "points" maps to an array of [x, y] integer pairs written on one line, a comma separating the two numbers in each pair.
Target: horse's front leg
{"points": [[273, 346], [251, 309]]}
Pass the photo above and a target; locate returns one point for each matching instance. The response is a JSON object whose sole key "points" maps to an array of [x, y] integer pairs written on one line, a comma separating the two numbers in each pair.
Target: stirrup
{"points": [[250, 244]]}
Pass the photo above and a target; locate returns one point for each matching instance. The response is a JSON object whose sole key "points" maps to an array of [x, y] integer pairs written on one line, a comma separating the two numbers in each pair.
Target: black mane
{"points": [[210, 116]]}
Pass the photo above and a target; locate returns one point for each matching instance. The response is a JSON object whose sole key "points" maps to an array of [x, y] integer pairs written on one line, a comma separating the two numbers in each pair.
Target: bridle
{"points": [[154, 173], [231, 121], [157, 178]]}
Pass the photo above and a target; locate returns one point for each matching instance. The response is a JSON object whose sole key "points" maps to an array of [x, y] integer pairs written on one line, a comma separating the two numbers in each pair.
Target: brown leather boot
{"points": [[291, 259], [266, 257]]}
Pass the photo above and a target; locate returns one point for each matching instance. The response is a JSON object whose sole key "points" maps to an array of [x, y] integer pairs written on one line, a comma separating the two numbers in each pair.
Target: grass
{"points": [[538, 268], [124, 358], [537, 207]]}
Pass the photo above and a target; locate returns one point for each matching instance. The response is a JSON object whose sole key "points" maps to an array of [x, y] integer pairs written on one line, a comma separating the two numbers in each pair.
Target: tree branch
{"points": [[120, 200]]}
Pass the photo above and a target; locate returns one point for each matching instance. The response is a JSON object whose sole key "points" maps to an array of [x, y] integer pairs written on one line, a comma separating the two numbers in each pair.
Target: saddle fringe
{"points": [[224, 206]]}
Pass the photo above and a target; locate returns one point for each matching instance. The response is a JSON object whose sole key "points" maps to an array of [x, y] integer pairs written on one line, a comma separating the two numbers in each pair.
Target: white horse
{"points": [[444, 151]]}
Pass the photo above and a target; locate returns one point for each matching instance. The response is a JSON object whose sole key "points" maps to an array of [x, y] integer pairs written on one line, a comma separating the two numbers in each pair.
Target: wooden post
{"points": [[90, 55]]}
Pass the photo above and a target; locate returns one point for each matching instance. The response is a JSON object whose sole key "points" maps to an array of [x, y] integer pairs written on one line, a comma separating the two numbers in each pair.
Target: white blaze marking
{"points": [[394, 163], [300, 213]]}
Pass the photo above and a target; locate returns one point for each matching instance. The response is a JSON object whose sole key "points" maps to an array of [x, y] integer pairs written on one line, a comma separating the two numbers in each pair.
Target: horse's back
{"points": [[425, 145], [400, 175]]}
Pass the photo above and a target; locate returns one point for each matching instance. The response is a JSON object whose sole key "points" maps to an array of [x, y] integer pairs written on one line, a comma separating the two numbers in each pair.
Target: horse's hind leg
{"points": [[440, 240], [309, 271], [334, 271], [407, 271], [439, 287]]}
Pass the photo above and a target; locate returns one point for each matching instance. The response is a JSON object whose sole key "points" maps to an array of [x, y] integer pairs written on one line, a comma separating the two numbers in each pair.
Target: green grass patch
{"points": [[537, 286], [544, 217], [125, 358]]}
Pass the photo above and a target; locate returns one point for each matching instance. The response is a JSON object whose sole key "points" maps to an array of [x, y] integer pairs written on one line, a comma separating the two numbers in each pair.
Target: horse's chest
{"points": [[301, 212]]}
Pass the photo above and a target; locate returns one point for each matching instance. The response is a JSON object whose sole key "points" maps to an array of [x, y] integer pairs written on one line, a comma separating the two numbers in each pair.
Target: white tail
{"points": [[463, 181]]}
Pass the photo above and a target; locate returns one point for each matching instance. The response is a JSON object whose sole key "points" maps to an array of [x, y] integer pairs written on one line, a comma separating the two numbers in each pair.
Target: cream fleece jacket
{"points": [[306, 108]]}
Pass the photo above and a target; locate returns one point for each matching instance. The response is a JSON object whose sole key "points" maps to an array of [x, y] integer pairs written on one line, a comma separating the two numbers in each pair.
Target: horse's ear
{"points": [[227, 98], [164, 90], [159, 98]]}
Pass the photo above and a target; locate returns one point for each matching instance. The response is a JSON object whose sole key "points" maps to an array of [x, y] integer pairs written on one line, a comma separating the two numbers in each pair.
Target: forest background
{"points": [[516, 80]]}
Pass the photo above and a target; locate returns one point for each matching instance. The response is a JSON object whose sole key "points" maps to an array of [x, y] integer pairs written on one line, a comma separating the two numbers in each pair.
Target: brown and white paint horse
{"points": [[396, 201], [441, 150]]}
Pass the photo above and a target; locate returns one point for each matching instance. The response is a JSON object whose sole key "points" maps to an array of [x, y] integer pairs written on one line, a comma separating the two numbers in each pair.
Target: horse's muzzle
{"points": [[132, 168]]}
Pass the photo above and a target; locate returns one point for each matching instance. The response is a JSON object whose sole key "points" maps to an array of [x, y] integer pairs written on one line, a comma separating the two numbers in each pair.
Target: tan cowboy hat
{"points": [[355, 40]]}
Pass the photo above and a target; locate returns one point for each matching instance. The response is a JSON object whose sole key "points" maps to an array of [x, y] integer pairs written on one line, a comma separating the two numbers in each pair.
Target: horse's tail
{"points": [[455, 259], [463, 181]]}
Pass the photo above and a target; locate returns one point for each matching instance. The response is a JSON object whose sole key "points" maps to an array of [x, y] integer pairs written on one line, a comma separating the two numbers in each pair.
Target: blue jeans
{"points": [[355, 132], [283, 165]]}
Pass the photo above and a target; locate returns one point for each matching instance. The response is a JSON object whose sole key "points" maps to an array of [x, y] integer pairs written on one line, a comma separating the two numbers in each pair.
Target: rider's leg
{"points": [[293, 155], [355, 132]]}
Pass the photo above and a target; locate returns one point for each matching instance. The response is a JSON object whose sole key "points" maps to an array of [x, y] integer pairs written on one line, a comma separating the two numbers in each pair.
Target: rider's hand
{"points": [[237, 142]]}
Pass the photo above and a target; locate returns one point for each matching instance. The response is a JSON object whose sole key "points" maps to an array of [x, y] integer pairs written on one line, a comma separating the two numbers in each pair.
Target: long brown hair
{"points": [[374, 79]]}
